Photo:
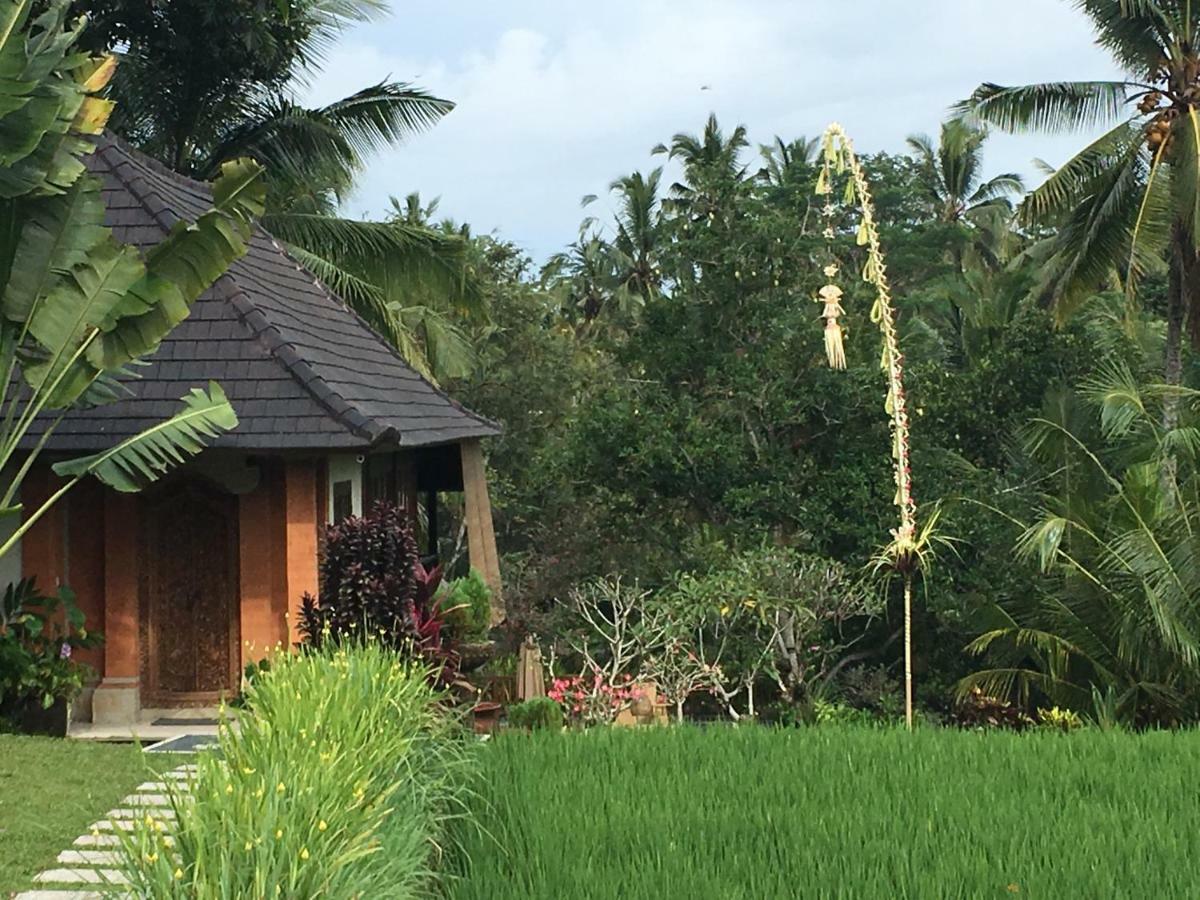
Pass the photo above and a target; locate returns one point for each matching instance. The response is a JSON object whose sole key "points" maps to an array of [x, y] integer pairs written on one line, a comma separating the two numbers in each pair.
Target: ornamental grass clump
{"points": [[339, 784]]}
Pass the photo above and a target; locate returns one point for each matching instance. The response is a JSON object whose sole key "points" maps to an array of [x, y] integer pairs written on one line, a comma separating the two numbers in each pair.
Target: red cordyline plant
{"points": [[908, 549]]}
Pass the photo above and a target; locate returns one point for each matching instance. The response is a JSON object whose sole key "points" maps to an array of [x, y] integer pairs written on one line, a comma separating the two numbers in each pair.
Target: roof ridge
{"points": [[298, 329], [334, 298], [247, 310]]}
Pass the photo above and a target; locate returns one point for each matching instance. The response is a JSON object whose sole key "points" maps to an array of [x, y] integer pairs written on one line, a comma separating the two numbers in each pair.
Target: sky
{"points": [[556, 98]]}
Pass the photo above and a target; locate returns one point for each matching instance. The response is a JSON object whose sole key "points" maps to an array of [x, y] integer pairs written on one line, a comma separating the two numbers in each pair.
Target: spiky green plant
{"points": [[340, 783]]}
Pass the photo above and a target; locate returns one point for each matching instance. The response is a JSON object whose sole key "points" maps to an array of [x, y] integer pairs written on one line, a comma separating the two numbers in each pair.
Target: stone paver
{"points": [[81, 876], [106, 825], [125, 812], [89, 857], [97, 840], [92, 856], [147, 800]]}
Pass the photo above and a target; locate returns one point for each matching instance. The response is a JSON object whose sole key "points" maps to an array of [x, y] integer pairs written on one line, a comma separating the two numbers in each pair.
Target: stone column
{"points": [[117, 699], [300, 486]]}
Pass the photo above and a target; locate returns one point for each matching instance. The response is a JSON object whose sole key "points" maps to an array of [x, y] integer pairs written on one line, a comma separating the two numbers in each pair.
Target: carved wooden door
{"points": [[190, 594]]}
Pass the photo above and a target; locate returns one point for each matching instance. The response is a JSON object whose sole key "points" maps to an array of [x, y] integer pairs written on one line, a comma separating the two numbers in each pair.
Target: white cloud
{"points": [[563, 99]]}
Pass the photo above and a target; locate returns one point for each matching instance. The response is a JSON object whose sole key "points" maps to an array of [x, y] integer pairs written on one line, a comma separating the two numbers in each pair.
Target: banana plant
{"points": [[77, 307]]}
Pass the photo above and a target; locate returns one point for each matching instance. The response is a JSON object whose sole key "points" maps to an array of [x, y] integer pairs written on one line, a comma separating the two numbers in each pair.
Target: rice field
{"points": [[826, 812]]}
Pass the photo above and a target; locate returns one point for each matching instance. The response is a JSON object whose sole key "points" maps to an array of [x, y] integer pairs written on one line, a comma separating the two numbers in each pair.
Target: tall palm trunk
{"points": [[1183, 307]]}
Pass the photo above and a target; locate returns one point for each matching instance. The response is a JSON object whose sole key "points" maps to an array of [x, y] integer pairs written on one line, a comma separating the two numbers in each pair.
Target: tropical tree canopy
{"points": [[77, 307]]}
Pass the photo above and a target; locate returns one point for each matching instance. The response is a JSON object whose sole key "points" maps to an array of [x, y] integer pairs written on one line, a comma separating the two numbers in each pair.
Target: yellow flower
{"points": [[249, 846], [178, 874], [278, 834], [246, 770], [151, 857], [149, 819], [229, 788], [280, 789], [304, 853], [321, 826]]}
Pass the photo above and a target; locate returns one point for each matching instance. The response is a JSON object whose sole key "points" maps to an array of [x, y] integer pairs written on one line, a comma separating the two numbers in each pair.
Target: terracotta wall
{"points": [[85, 559], [89, 541], [263, 564], [43, 548]]}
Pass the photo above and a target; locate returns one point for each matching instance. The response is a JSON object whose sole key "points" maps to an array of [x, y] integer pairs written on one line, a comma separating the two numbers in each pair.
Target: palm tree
{"points": [[1117, 624], [710, 161], [638, 226], [785, 162], [1132, 196], [953, 181], [312, 155]]}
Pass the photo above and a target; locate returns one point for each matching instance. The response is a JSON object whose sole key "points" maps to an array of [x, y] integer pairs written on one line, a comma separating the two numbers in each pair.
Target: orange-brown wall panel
{"points": [[300, 481], [257, 558], [43, 546], [85, 559], [121, 585]]}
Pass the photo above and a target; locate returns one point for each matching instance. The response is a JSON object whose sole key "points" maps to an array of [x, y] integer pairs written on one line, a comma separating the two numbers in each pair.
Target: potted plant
{"points": [[540, 713], [467, 603], [39, 673]]}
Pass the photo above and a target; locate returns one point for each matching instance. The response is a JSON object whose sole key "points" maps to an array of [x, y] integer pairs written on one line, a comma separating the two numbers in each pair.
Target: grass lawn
{"points": [[826, 812], [51, 790]]}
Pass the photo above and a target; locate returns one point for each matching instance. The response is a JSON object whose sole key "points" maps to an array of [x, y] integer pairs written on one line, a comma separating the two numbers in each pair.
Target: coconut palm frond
{"points": [[1052, 107]]}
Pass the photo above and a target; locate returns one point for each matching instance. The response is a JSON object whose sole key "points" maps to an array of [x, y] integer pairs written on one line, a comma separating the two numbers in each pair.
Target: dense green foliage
{"points": [[835, 812], [340, 784], [536, 714], [674, 426], [38, 637]]}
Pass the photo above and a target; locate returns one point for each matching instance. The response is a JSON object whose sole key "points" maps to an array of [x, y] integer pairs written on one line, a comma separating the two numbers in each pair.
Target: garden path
{"points": [[88, 865]]}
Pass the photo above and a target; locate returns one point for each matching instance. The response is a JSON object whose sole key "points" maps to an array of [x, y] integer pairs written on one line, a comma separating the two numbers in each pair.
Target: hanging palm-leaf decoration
{"points": [[906, 551]]}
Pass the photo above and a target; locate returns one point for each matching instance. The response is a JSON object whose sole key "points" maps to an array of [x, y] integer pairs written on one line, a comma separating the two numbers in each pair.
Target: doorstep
{"points": [[144, 730]]}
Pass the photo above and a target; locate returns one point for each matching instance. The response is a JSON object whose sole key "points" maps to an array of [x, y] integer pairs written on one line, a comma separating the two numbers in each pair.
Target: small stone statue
{"points": [[531, 683]]}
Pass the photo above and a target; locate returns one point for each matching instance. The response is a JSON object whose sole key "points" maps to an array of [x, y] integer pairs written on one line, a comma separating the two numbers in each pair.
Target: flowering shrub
{"points": [[592, 700], [38, 636]]}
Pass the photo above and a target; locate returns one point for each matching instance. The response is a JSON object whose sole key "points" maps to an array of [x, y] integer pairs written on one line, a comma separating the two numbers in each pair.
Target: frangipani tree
{"points": [[909, 547], [76, 306]]}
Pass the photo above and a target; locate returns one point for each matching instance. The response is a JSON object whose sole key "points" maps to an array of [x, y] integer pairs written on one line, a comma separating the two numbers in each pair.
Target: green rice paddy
{"points": [[826, 812]]}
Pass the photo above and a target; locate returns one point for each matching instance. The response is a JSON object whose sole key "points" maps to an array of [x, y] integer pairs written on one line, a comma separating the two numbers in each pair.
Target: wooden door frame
{"points": [[203, 490]]}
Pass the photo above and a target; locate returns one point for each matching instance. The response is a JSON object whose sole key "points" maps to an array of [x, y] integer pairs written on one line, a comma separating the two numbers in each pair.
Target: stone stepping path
{"points": [[90, 861]]}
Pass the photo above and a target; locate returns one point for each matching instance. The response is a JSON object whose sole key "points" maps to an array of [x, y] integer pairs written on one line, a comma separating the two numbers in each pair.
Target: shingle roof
{"points": [[301, 369]]}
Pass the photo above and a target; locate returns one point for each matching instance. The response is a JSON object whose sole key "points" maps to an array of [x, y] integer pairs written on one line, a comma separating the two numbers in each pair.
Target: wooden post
{"points": [[481, 537], [300, 485]]}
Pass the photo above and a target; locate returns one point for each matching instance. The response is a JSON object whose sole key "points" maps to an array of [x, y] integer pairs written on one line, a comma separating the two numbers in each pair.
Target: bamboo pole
{"points": [[902, 552]]}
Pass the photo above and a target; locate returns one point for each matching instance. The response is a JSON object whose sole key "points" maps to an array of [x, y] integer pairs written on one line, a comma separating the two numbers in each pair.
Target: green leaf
{"points": [[57, 234], [70, 315], [179, 269], [144, 458]]}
